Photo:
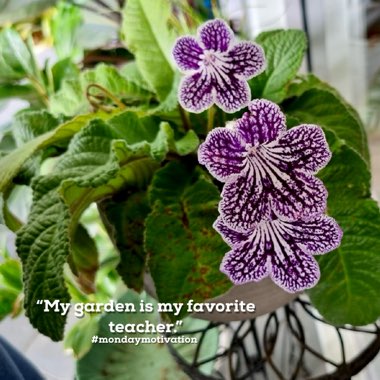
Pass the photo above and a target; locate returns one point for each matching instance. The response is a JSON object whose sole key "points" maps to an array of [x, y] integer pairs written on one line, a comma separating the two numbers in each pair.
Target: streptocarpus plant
{"points": [[128, 139]]}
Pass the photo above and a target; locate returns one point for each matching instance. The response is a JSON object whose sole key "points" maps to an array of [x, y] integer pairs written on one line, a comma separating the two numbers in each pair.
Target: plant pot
{"points": [[266, 296]]}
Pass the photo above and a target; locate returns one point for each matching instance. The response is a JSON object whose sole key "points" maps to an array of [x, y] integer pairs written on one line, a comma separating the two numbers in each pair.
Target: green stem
{"points": [[210, 118], [185, 118]]}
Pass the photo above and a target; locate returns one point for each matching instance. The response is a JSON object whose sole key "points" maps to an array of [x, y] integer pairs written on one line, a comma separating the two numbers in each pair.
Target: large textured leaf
{"points": [[184, 250], [120, 361], [284, 50], [324, 107], [11, 163], [123, 217], [348, 291], [98, 163], [146, 34]]}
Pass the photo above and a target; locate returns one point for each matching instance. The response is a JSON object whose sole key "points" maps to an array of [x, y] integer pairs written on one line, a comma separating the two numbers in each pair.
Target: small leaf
{"points": [[148, 37], [123, 217], [16, 61], [284, 50], [184, 250]]}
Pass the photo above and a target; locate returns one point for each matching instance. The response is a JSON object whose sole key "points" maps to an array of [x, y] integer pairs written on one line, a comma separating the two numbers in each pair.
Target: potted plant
{"points": [[210, 161]]}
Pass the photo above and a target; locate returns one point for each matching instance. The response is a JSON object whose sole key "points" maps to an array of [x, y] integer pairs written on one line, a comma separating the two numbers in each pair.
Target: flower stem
{"points": [[185, 118], [210, 118]]}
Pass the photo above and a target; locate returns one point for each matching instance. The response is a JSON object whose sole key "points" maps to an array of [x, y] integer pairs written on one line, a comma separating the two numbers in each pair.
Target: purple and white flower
{"points": [[280, 249], [266, 167], [216, 68]]}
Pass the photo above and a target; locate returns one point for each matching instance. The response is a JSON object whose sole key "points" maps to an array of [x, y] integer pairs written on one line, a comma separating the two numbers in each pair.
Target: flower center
{"points": [[208, 58], [251, 150]]}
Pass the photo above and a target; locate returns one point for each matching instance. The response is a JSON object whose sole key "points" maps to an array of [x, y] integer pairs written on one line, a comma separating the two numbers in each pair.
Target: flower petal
{"points": [[263, 123], [248, 262], [186, 53], [231, 237], [222, 154], [303, 195], [318, 235], [247, 59], [303, 147], [216, 35], [244, 203], [195, 93], [232, 94], [295, 270]]}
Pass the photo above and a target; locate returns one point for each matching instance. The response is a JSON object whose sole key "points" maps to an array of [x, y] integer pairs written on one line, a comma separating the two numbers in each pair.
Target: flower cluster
{"points": [[272, 205], [271, 211]]}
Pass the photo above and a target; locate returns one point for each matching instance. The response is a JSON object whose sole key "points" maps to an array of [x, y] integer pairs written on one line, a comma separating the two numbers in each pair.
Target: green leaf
{"points": [[84, 259], [10, 274], [12, 163], [64, 25], [71, 99], [284, 50], [325, 108], [28, 124], [17, 10], [16, 61], [348, 291], [23, 91], [62, 70], [120, 361], [146, 34], [123, 217], [184, 250], [96, 165], [78, 339]]}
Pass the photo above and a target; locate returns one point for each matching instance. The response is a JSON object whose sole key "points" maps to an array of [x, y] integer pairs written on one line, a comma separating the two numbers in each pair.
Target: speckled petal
{"points": [[303, 195], [186, 53], [216, 35], [232, 94], [248, 262], [231, 237], [247, 59], [222, 153], [302, 147], [295, 272], [318, 235], [195, 93], [244, 203], [263, 123]]}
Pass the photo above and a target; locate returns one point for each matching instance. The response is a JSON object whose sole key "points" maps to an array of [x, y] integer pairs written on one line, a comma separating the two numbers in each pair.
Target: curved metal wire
{"points": [[252, 349]]}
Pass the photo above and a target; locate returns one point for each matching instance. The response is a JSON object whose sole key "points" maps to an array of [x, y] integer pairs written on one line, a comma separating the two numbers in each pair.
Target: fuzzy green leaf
{"points": [[97, 164], [16, 61], [146, 34], [12, 163], [123, 217], [284, 50], [184, 250], [353, 270], [325, 107]]}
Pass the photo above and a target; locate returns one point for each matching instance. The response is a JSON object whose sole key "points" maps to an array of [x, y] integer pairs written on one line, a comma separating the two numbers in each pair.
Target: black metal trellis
{"points": [[250, 354]]}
